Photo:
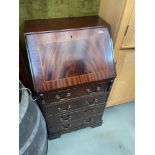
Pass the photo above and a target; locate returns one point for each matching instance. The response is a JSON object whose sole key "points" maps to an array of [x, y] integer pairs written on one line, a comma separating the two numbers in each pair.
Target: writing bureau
{"points": [[72, 68]]}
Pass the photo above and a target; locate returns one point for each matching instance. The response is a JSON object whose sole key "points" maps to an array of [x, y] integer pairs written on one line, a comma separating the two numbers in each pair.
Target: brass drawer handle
{"points": [[98, 88], [91, 91], [96, 100], [65, 119], [88, 90], [66, 127], [63, 110], [68, 94], [57, 97], [89, 121], [90, 103], [90, 111]]}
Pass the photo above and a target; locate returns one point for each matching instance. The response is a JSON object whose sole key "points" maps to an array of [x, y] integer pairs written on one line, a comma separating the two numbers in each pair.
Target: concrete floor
{"points": [[114, 137]]}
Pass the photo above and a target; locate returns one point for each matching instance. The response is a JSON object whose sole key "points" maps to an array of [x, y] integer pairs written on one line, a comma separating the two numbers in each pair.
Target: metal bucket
{"points": [[32, 126]]}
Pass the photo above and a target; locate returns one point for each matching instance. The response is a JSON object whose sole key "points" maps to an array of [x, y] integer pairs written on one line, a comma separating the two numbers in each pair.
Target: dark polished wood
{"points": [[63, 59], [24, 75], [76, 115], [92, 121], [57, 24], [73, 69], [75, 104], [74, 92]]}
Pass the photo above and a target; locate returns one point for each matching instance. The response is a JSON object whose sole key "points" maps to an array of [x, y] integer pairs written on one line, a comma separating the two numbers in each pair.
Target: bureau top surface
{"points": [[66, 58], [54, 24]]}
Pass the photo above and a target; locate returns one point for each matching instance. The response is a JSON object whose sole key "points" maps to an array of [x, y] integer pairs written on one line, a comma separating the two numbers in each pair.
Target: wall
{"points": [[111, 11], [42, 9]]}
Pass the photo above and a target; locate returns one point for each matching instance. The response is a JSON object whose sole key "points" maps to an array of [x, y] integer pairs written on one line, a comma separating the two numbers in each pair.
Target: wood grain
{"points": [[111, 11], [129, 37], [69, 51], [63, 59], [129, 5], [73, 68], [57, 24], [123, 89], [120, 14]]}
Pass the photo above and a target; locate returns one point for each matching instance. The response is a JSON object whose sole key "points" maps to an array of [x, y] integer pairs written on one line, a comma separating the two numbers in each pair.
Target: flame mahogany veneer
{"points": [[72, 67]]}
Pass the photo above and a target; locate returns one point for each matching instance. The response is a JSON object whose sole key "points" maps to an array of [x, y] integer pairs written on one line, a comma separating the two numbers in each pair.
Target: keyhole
{"points": [[71, 36]]}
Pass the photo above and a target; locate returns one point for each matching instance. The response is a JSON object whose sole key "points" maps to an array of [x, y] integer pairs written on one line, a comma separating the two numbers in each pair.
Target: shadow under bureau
{"points": [[72, 68]]}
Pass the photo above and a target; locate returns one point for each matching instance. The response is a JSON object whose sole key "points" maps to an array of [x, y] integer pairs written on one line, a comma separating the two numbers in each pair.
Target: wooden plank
{"points": [[129, 38], [111, 11]]}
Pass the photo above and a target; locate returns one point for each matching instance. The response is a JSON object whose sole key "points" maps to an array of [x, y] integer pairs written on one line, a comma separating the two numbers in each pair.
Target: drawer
{"points": [[57, 120], [68, 126], [73, 105], [75, 92]]}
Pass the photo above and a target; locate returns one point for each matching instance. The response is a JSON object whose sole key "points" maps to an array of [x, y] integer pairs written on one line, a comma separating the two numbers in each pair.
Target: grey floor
{"points": [[114, 137]]}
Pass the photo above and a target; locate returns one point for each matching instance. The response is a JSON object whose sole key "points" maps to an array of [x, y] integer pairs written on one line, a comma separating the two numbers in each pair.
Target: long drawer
{"points": [[72, 105], [69, 126], [74, 92], [65, 118]]}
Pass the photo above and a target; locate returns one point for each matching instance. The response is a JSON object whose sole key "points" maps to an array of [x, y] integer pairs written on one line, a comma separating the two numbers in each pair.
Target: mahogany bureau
{"points": [[72, 68]]}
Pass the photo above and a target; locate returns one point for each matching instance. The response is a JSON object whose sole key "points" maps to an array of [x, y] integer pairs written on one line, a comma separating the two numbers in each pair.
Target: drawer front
{"points": [[68, 126], [69, 106], [57, 120], [76, 92]]}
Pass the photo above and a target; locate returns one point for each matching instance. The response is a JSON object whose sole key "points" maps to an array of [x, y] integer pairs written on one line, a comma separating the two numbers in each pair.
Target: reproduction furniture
{"points": [[73, 69], [120, 15]]}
